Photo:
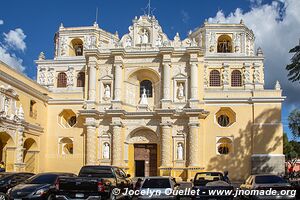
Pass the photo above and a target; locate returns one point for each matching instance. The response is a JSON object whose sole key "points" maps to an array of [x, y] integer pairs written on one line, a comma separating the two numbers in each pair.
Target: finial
{"points": [[242, 21], [190, 32], [277, 85], [206, 21], [117, 34], [259, 52], [95, 25], [42, 56], [61, 25]]}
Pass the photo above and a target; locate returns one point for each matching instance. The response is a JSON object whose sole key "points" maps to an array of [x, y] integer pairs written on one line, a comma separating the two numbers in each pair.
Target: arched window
{"points": [[62, 80], [236, 78], [66, 146], [148, 86], [224, 146], [77, 47], [80, 79], [224, 44], [214, 78]]}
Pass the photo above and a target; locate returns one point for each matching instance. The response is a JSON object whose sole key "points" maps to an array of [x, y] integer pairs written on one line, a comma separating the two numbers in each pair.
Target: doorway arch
{"points": [[6, 150], [143, 152], [29, 157]]}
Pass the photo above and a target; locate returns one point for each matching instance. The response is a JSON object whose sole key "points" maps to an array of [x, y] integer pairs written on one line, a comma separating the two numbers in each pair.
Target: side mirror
{"points": [[191, 180], [128, 175]]}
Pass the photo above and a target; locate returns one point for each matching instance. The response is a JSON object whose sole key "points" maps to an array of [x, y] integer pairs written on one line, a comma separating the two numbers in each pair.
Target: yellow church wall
{"points": [[239, 132], [54, 160]]}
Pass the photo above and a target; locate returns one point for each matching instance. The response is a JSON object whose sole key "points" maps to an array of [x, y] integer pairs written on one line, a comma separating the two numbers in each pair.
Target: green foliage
{"points": [[294, 67], [294, 122], [291, 149]]}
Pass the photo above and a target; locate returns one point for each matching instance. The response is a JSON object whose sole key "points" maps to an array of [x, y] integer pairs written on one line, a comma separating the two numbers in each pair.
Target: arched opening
{"points": [[236, 78], [147, 85], [5, 142], [225, 117], [139, 80], [76, 47], [65, 146], [81, 79], [224, 146], [144, 143], [62, 80], [29, 157], [214, 78], [224, 44]]}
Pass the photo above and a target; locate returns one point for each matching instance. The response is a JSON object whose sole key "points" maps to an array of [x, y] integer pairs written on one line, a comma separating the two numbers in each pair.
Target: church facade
{"points": [[144, 102]]}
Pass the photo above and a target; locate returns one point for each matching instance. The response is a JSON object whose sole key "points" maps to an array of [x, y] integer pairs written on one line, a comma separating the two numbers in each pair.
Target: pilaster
{"points": [[19, 164], [91, 139], [117, 144], [166, 148], [193, 141]]}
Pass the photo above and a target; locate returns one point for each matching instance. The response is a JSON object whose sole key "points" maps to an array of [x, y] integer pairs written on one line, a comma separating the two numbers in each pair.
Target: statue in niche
{"points": [[106, 151], [180, 93], [179, 152], [107, 92], [144, 100], [128, 42], [144, 37], [6, 106], [159, 41]]}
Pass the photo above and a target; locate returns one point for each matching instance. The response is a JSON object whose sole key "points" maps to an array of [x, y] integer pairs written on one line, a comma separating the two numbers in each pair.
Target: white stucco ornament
{"points": [[106, 151], [144, 100], [180, 91], [106, 92], [179, 152]]}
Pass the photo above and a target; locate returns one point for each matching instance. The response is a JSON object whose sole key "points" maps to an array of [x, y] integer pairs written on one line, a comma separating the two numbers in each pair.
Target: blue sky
{"points": [[39, 20]]}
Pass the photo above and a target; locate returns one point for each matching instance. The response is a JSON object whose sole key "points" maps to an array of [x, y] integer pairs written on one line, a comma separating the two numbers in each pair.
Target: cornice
{"points": [[24, 87]]}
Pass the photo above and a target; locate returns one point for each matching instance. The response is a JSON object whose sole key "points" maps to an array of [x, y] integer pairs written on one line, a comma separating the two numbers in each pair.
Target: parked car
{"points": [[211, 181], [94, 182], [296, 186], [266, 182], [40, 186], [11, 179], [159, 185]]}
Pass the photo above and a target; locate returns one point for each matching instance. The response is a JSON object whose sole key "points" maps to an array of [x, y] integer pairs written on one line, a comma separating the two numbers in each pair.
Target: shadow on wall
{"points": [[255, 138]]}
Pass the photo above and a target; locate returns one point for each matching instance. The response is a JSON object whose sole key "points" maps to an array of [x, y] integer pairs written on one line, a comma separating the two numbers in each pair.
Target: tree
{"points": [[294, 122], [289, 149], [294, 67]]}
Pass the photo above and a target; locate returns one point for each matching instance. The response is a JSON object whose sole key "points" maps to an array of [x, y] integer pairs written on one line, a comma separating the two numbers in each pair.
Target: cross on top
{"points": [[148, 9]]}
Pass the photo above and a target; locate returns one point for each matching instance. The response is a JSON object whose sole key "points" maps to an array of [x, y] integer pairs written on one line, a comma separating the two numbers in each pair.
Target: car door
{"points": [[121, 180]]}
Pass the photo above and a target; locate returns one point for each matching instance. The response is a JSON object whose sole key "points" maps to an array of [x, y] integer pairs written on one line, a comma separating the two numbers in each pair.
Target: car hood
{"points": [[154, 191], [29, 187]]}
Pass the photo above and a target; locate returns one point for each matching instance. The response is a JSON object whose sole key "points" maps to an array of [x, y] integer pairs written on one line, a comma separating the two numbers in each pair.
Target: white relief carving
{"points": [[70, 76], [144, 100], [63, 46]]}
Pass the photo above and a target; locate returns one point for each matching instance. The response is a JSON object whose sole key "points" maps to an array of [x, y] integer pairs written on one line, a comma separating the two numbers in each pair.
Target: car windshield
{"points": [[96, 172], [209, 176], [156, 183], [268, 179], [43, 179], [2, 176]]}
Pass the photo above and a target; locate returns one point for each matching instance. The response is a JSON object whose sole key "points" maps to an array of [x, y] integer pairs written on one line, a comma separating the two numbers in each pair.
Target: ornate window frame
{"points": [[177, 79]]}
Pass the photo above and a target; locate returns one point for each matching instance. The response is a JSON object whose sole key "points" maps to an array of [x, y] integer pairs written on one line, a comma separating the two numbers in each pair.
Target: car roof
{"points": [[158, 177], [264, 175], [56, 173], [13, 173]]}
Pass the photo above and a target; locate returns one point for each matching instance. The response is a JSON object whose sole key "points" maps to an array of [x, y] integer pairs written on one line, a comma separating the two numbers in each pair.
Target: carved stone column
{"points": [[258, 81], [226, 75], [19, 162], [166, 81], [247, 76], [91, 139], [117, 144], [118, 82], [194, 81], [193, 144], [166, 148], [92, 81]]}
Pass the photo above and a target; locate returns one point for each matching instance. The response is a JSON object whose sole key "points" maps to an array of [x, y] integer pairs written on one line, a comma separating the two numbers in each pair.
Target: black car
{"points": [[40, 186], [11, 179]]}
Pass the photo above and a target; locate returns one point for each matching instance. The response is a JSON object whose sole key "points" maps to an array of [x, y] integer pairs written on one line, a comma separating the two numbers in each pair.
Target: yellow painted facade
{"points": [[204, 106]]}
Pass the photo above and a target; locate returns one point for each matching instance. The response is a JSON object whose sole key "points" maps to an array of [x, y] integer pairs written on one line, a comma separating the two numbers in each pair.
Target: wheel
{"points": [[51, 197], [3, 196]]}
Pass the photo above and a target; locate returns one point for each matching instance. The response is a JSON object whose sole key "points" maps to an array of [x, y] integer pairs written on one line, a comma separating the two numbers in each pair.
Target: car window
{"points": [[42, 179], [269, 179], [96, 172], [156, 183], [118, 172]]}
